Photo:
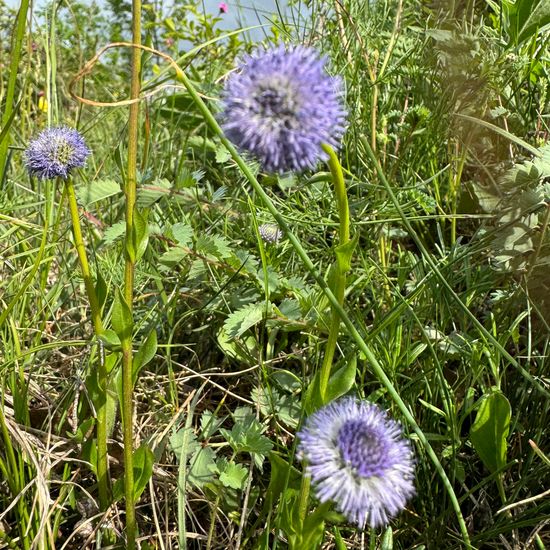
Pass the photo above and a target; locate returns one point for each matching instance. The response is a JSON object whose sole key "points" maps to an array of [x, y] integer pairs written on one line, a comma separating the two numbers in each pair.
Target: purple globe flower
{"points": [[357, 457], [55, 152], [281, 105]]}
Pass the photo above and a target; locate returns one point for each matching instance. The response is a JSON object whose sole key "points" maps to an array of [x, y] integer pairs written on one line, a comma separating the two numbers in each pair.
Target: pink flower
{"points": [[222, 6]]}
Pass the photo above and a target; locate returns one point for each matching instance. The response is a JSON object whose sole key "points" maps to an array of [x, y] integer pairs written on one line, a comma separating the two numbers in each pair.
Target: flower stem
{"points": [[338, 285], [101, 405], [130, 259]]}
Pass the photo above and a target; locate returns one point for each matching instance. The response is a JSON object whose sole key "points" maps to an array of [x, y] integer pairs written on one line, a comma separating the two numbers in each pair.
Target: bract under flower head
{"points": [[358, 458], [281, 105], [55, 152]]}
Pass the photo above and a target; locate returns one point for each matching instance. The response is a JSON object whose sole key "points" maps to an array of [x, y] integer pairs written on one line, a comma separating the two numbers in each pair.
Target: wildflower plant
{"points": [[281, 105], [357, 456], [54, 154]]}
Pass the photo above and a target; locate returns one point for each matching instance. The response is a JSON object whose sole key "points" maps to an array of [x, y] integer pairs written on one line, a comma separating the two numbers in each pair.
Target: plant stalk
{"points": [[338, 285], [130, 259], [101, 406]]}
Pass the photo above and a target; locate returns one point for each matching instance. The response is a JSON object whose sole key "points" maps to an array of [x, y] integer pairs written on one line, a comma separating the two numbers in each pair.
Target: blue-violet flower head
{"points": [[281, 106], [357, 457], [55, 152]]}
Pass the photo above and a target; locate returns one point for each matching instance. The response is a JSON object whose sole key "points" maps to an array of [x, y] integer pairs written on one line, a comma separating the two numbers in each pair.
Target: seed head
{"points": [[358, 458], [281, 105], [55, 152]]}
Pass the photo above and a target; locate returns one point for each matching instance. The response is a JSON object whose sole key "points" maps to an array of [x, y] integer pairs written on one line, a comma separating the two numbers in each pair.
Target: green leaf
{"points": [[238, 322], [89, 454], [213, 245], [344, 253], [210, 424], [122, 317], [222, 154], [202, 467], [141, 232], [246, 435], [114, 232], [280, 478], [145, 353], [183, 233], [110, 340], [342, 380], [83, 430], [490, 429], [173, 256], [234, 476], [147, 195], [144, 459], [96, 191], [184, 441]]}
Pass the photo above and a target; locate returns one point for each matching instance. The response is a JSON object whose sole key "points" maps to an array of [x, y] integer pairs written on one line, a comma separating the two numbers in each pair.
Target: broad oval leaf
{"points": [[490, 429]]}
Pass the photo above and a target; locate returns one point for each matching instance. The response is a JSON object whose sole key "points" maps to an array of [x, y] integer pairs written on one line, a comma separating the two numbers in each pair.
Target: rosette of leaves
{"points": [[521, 241]]}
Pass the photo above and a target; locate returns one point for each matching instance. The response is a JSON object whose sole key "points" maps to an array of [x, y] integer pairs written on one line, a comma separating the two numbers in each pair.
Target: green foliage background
{"points": [[453, 96]]}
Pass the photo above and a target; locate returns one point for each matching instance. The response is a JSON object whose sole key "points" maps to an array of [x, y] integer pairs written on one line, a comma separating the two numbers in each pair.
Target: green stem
{"points": [[304, 497], [338, 285], [101, 404], [362, 345], [127, 358]]}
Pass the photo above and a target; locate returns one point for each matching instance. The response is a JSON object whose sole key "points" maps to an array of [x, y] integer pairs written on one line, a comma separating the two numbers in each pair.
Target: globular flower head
{"points": [[281, 105], [222, 6], [270, 232], [55, 152], [357, 457]]}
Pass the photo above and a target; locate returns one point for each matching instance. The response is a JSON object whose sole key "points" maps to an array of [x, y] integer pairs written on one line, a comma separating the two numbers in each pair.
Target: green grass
{"points": [[445, 304]]}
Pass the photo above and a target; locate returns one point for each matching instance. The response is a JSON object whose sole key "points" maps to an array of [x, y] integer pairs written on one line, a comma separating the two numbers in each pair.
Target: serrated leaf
{"points": [[234, 476], [222, 154], [490, 429], [202, 467], [290, 308], [184, 440], [147, 195], [114, 232], [183, 233], [173, 256], [246, 436], [238, 322], [214, 246], [210, 424], [97, 190]]}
